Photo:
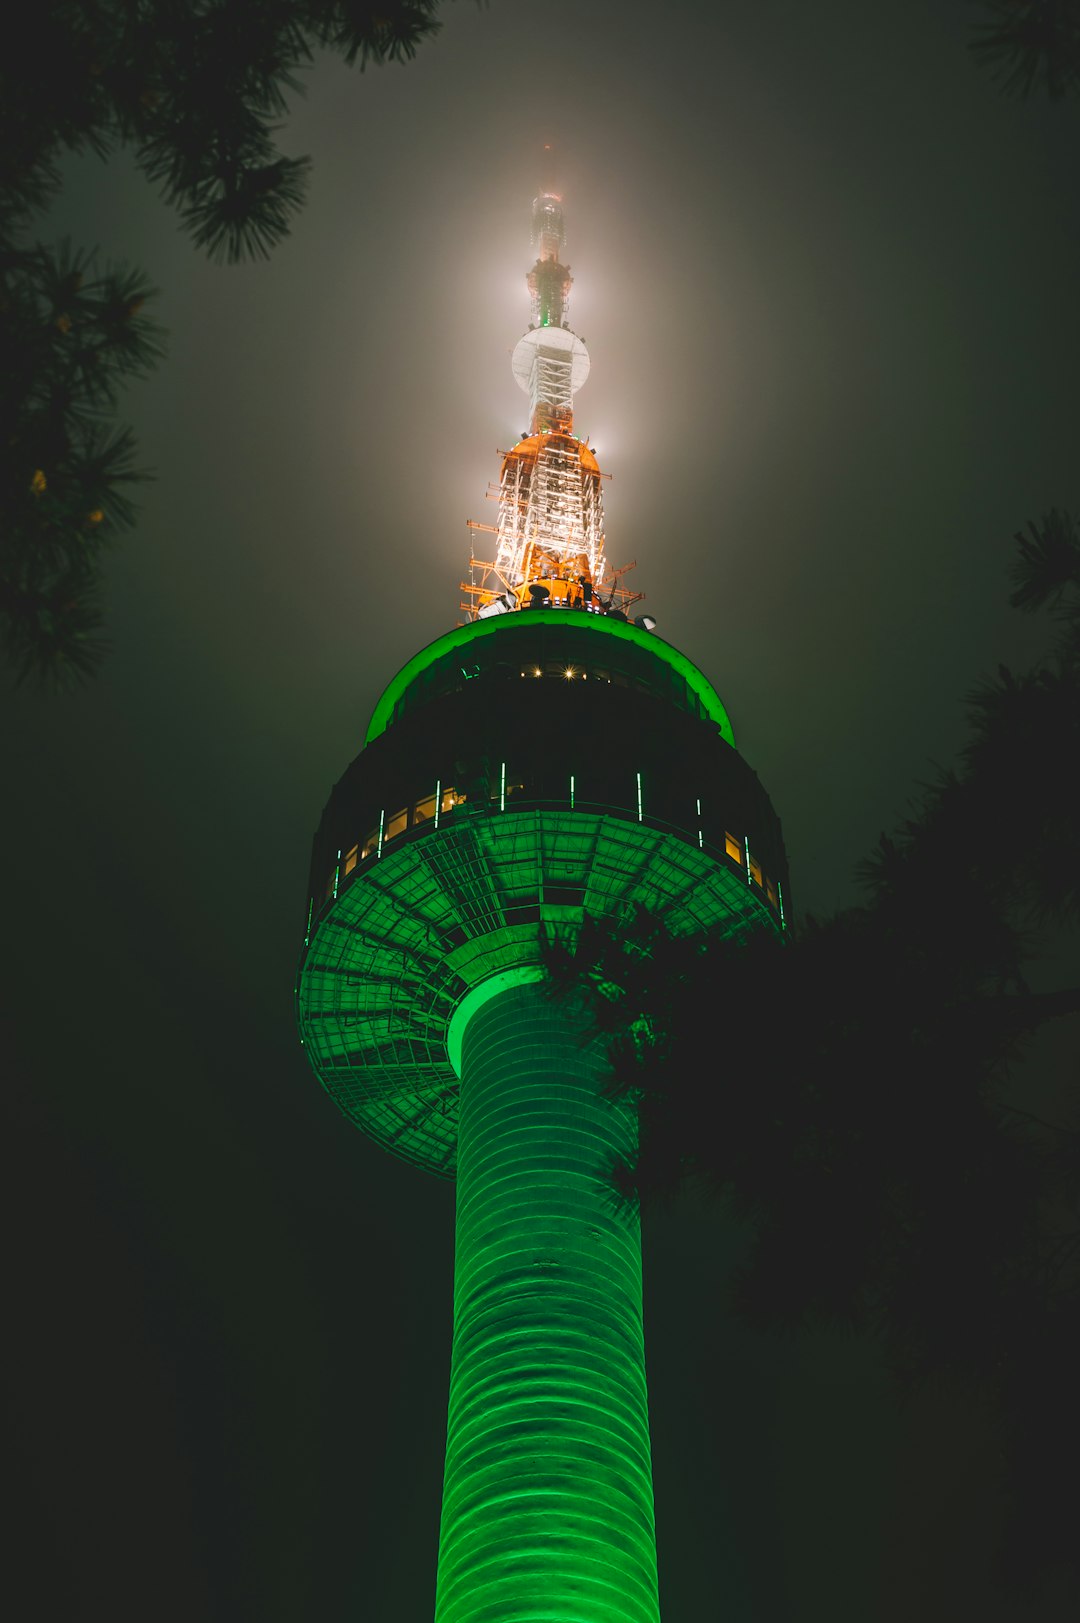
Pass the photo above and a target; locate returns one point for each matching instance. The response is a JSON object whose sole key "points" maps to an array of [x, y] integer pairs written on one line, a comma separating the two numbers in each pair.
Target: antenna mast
{"points": [[549, 550]]}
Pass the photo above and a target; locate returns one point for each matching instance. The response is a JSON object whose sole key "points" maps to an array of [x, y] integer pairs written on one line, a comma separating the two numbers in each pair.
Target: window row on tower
{"points": [[556, 658], [502, 788]]}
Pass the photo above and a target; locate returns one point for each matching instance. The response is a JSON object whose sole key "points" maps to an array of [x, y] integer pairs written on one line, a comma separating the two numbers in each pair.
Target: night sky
{"points": [[828, 278]]}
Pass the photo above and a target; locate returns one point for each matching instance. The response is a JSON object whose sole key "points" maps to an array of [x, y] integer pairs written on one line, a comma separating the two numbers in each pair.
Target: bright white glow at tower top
{"points": [[550, 530]]}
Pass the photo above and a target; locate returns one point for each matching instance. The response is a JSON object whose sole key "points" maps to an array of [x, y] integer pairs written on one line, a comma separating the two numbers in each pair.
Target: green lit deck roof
{"points": [[574, 623], [407, 937]]}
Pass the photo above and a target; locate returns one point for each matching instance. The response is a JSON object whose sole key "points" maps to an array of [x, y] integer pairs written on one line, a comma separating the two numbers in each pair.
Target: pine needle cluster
{"points": [[71, 337], [1031, 46], [197, 90]]}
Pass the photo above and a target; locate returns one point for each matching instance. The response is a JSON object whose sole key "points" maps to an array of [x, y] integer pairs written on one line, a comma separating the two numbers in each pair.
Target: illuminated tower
{"points": [[545, 760]]}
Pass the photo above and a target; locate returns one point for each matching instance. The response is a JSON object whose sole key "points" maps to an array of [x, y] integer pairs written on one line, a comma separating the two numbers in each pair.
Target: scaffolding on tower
{"points": [[549, 535]]}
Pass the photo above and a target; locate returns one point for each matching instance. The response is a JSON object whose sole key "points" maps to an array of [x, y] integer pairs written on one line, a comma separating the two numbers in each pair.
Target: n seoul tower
{"points": [[546, 760]]}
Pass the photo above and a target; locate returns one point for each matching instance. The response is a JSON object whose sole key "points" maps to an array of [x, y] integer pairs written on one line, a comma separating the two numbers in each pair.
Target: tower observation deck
{"points": [[547, 760]]}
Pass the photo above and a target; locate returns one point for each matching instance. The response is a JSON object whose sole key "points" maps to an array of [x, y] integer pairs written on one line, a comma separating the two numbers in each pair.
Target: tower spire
{"points": [[550, 361], [549, 280], [550, 529]]}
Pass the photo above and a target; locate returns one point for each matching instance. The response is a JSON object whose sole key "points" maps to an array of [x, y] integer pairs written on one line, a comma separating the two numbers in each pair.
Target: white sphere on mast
{"points": [[550, 350]]}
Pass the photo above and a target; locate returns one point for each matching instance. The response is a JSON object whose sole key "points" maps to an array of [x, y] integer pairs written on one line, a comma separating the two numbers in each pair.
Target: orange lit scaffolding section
{"points": [[549, 538]]}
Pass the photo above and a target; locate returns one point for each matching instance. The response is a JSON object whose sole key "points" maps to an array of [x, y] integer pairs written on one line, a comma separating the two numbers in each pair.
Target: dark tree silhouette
{"points": [[846, 1091], [71, 338], [195, 88], [1031, 45]]}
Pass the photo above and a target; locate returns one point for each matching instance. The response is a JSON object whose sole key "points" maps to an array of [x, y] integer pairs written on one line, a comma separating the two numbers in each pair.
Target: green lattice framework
{"points": [[382, 975]]}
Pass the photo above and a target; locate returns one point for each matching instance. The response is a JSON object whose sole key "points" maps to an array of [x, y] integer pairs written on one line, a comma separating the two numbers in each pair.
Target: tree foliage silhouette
{"points": [[845, 1090], [72, 338], [196, 88], [1031, 45]]}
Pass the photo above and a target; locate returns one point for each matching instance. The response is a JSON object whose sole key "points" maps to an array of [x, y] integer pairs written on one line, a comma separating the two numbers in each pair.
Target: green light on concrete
{"points": [[547, 1501], [522, 975], [593, 624]]}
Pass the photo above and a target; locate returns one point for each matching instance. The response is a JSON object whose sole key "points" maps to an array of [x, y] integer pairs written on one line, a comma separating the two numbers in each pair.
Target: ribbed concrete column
{"points": [[547, 1503]]}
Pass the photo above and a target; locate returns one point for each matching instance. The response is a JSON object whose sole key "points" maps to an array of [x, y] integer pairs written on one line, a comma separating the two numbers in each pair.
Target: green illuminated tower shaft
{"points": [[547, 1506]]}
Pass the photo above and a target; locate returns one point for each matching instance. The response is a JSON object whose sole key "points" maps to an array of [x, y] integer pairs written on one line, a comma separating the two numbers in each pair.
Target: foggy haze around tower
{"points": [[827, 278]]}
